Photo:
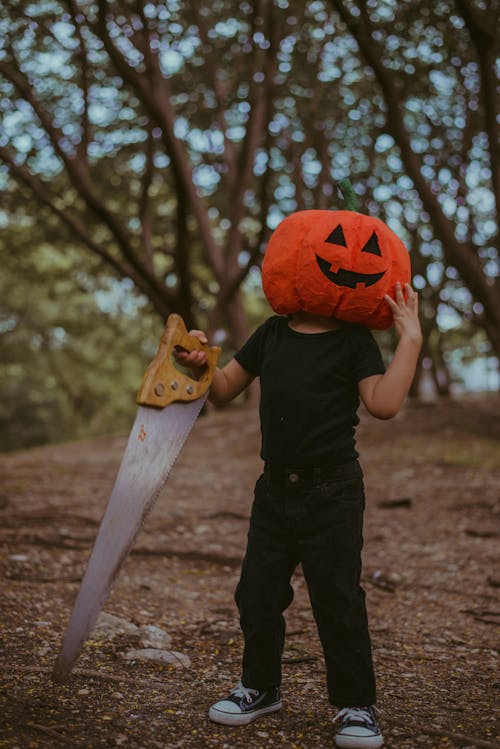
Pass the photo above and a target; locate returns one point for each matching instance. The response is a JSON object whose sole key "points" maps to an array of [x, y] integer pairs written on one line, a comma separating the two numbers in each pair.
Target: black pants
{"points": [[313, 517]]}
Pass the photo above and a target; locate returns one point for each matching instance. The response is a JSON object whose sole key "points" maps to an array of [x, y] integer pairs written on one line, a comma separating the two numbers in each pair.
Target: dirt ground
{"points": [[431, 533]]}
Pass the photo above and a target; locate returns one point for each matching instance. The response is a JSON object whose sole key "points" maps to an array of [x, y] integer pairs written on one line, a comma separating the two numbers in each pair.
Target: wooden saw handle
{"points": [[163, 383]]}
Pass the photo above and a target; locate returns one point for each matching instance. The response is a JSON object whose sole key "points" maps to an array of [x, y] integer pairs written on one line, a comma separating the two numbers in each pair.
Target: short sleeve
{"points": [[366, 357], [250, 354]]}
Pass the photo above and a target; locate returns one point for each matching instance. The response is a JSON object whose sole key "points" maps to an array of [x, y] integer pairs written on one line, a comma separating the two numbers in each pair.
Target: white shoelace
{"points": [[241, 691], [355, 713]]}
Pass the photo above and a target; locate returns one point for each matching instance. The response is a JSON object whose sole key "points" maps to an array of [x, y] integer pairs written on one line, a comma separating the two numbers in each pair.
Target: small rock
{"points": [[109, 625], [201, 529], [154, 637], [179, 660], [386, 580]]}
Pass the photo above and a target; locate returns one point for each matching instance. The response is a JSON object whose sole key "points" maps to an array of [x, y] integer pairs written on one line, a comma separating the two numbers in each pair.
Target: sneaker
{"points": [[244, 705], [358, 729]]}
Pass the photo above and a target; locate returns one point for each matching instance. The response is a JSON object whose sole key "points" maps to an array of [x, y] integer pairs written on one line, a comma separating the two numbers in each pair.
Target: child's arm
{"points": [[383, 395], [227, 383]]}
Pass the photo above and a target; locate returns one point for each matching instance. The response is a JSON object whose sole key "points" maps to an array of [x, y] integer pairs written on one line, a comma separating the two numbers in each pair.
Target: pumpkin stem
{"points": [[350, 200]]}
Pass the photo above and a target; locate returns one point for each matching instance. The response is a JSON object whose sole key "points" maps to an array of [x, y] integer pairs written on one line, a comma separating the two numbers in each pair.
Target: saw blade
{"points": [[154, 443]]}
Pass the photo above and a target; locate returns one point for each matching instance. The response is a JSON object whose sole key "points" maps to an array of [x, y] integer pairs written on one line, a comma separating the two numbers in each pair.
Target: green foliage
{"points": [[325, 120], [73, 342], [149, 149]]}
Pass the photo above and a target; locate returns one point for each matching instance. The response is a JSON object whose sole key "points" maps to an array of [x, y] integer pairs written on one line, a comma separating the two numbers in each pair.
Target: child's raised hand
{"points": [[195, 360], [405, 313]]}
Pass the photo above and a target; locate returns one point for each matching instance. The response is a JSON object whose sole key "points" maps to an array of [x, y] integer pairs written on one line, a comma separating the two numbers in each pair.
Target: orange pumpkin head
{"points": [[336, 264]]}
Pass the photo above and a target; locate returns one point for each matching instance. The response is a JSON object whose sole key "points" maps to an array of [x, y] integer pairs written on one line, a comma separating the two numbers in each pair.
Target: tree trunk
{"points": [[463, 256]]}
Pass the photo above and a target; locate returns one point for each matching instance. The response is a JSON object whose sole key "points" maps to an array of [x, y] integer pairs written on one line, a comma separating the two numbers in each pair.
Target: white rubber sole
{"points": [[359, 742], [241, 719]]}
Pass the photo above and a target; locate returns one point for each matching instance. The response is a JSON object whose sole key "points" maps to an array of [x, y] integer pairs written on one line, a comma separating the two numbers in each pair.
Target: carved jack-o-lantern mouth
{"points": [[350, 278], [347, 277]]}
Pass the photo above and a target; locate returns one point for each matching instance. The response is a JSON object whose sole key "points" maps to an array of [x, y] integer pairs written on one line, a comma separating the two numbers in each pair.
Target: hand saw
{"points": [[169, 403]]}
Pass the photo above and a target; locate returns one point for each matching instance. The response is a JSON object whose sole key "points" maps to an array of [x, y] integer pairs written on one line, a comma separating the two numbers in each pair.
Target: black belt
{"points": [[311, 475]]}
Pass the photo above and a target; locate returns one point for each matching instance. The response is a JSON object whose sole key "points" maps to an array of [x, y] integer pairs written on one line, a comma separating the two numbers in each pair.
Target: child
{"points": [[309, 500]]}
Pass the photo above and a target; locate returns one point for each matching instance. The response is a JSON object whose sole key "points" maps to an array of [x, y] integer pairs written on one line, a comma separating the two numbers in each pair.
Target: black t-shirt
{"points": [[309, 394]]}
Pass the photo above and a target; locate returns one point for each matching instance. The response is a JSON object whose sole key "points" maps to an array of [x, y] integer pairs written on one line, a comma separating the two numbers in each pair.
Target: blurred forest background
{"points": [[148, 149]]}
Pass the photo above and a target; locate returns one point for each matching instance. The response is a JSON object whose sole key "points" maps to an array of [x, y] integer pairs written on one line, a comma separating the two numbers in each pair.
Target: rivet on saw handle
{"points": [[162, 370]]}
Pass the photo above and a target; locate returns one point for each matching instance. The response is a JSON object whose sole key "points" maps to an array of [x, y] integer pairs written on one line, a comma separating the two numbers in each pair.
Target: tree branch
{"points": [[260, 115], [481, 30], [163, 302], [143, 207], [83, 58], [153, 91], [22, 84], [462, 255], [78, 173], [39, 189], [220, 94]]}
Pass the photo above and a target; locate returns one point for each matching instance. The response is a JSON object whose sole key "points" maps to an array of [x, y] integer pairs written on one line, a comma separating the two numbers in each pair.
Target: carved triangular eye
{"points": [[337, 237], [372, 246]]}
